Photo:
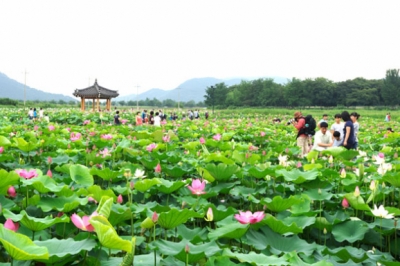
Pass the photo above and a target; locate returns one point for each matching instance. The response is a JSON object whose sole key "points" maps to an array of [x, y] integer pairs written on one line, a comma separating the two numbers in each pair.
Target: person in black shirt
{"points": [[116, 118]]}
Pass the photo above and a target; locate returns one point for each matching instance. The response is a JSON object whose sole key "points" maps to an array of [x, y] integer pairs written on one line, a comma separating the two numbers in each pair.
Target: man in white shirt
{"points": [[322, 138], [337, 126]]}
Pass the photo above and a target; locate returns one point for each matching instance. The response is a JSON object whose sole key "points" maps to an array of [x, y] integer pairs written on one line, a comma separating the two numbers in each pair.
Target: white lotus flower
{"points": [[139, 174], [381, 212], [383, 168], [282, 160]]}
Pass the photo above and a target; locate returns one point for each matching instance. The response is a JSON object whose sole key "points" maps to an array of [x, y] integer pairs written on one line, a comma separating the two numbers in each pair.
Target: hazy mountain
{"points": [[192, 89], [12, 89]]}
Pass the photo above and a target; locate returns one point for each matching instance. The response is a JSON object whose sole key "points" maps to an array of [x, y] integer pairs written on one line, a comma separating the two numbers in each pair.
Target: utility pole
{"points": [[137, 97], [25, 87]]}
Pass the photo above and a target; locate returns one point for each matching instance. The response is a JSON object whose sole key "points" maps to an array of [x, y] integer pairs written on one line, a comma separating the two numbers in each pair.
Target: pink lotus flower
{"points": [[106, 136], [252, 148], [51, 127], [92, 133], [35, 127], [26, 174], [68, 129], [49, 173], [262, 133], [105, 152], [154, 217], [11, 192], [120, 199], [345, 203], [124, 121], [202, 140], [84, 222], [157, 169], [248, 217], [86, 122], [75, 136], [164, 122], [166, 138], [49, 160], [1, 149], [9, 224], [217, 137], [91, 199], [197, 187], [299, 165], [151, 147]]}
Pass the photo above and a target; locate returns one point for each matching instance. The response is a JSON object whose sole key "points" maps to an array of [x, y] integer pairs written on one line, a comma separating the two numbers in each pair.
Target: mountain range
{"points": [[12, 89], [190, 90]]}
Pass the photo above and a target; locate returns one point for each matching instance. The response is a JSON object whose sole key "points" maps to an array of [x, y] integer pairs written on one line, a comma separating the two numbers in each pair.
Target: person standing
{"points": [[348, 131], [116, 118], [302, 139], [139, 120], [41, 113], [354, 118], [157, 119], [34, 114], [337, 126], [324, 119]]}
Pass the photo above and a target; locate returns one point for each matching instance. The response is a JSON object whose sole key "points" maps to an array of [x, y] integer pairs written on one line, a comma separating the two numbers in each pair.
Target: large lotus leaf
{"points": [[279, 226], [33, 223], [334, 151], [62, 204], [265, 237], [350, 231], [61, 248], [20, 247], [393, 178], [6, 203], [221, 172], [167, 187], [43, 184], [296, 176], [300, 221], [119, 213], [348, 154], [81, 175], [175, 171], [222, 261], [308, 167], [7, 179], [106, 174], [107, 235], [123, 144], [146, 184], [175, 217], [303, 206], [258, 172], [61, 159], [4, 142], [294, 259], [318, 194], [347, 253], [322, 223], [232, 230], [63, 168], [97, 192], [312, 155], [25, 146], [357, 203], [195, 235], [191, 146], [255, 259], [218, 157], [149, 163], [223, 187], [278, 204], [104, 207]]}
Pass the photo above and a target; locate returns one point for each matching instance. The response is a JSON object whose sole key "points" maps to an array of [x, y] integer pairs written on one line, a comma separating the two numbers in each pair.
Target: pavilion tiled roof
{"points": [[95, 91]]}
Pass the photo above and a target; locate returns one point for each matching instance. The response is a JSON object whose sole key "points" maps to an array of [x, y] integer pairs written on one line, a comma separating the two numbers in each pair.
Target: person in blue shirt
{"points": [[348, 131]]}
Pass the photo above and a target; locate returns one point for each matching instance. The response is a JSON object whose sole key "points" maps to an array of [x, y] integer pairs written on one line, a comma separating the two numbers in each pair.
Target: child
{"points": [[116, 118], [337, 139]]}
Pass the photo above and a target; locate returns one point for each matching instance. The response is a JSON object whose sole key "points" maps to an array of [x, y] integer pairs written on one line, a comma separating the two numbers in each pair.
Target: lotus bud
{"points": [[210, 215], [154, 218], [312, 161], [325, 231], [343, 173], [299, 165], [357, 192], [49, 160], [345, 203], [263, 153], [120, 199], [330, 160], [187, 249], [11, 192], [49, 173], [383, 185], [127, 173], [381, 155], [372, 185], [395, 155], [131, 185], [183, 204], [319, 191]]}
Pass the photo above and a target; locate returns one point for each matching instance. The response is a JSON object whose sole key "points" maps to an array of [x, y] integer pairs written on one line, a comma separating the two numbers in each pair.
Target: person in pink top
{"points": [[302, 139], [139, 120]]}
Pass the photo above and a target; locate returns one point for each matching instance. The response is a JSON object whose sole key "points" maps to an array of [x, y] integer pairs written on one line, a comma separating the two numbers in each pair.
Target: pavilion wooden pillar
{"points": [[93, 104], [98, 104], [82, 103]]}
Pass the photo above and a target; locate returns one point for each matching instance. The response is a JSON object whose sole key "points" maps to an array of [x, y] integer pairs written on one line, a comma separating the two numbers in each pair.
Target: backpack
{"points": [[309, 127]]}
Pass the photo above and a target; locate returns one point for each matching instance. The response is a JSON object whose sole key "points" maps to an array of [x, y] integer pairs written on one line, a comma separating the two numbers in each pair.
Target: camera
{"points": [[290, 121]]}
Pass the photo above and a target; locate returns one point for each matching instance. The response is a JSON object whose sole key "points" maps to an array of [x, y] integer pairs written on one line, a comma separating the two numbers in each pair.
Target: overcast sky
{"points": [[64, 45]]}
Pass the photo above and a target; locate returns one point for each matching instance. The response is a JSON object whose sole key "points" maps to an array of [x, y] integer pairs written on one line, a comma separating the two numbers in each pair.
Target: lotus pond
{"points": [[226, 191]]}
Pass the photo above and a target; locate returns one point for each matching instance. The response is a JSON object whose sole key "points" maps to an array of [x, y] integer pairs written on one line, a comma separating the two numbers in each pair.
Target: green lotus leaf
{"points": [[346, 253], [175, 171], [296, 176], [348, 154], [62, 204], [61, 248], [357, 203], [300, 221], [303, 206], [20, 247], [255, 259], [265, 237], [191, 146], [25, 146], [222, 261], [318, 194], [322, 223], [146, 184], [233, 230], [175, 217], [4, 142], [119, 213], [334, 151], [312, 155], [33, 223], [61, 159], [167, 187], [350, 231], [257, 172], [6, 203], [279, 226], [122, 145], [221, 172], [149, 163], [294, 259], [43, 184], [7, 179], [195, 235], [218, 157], [97, 192], [147, 223], [106, 174], [278, 204], [308, 167], [393, 178], [81, 175], [107, 235], [104, 207]]}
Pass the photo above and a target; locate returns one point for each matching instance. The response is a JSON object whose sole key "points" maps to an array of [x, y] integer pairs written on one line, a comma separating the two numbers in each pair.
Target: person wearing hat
{"points": [[322, 138]]}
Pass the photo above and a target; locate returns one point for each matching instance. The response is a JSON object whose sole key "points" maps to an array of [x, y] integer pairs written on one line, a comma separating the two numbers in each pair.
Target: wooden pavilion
{"points": [[96, 92]]}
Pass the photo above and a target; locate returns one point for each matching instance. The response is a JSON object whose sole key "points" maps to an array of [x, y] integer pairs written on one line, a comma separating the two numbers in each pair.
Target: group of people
{"points": [[343, 132], [33, 114]]}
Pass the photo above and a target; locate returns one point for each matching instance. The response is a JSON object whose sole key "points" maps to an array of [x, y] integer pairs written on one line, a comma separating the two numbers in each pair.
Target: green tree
{"points": [[216, 95], [391, 88]]}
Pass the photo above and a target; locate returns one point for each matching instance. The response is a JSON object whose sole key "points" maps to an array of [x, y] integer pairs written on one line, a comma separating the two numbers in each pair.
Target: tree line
{"points": [[306, 93]]}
